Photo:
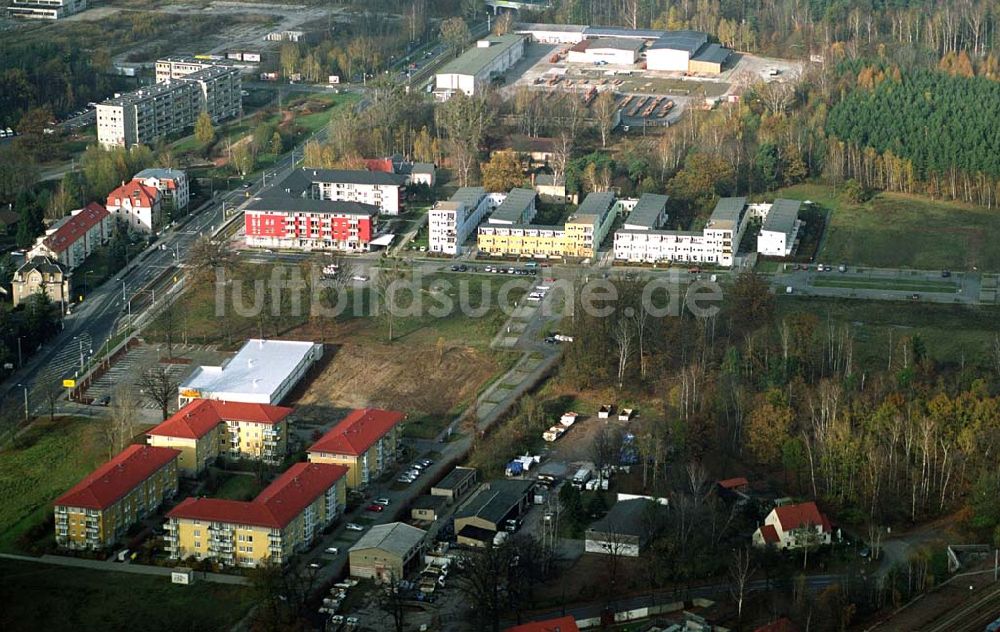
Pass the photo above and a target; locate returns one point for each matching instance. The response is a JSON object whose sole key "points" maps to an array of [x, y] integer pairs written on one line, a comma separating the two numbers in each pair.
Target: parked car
{"points": [[382, 501], [332, 550], [350, 526], [315, 565], [426, 462], [359, 277], [375, 508], [406, 480], [945, 274]]}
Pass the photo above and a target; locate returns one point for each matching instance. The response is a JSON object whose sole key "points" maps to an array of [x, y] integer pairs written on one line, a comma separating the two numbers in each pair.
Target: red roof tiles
{"points": [[76, 227], [770, 534], [141, 195], [112, 481], [801, 515], [275, 507], [200, 416], [358, 431], [734, 483], [383, 165], [562, 624]]}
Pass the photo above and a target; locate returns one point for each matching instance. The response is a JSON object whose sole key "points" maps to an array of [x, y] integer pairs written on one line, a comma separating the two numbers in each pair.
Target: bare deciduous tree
{"points": [[623, 334], [740, 573], [160, 386]]}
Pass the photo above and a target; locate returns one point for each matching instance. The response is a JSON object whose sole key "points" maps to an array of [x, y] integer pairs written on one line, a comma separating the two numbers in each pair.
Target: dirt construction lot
{"points": [[413, 378]]}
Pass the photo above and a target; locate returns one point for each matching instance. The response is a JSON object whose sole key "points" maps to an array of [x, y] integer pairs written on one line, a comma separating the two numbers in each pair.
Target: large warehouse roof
{"points": [[476, 59], [713, 53], [689, 41], [259, 368], [617, 31]]}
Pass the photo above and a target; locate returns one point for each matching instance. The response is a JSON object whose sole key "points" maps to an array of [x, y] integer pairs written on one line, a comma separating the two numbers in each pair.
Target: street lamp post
{"points": [[25, 387], [20, 361]]}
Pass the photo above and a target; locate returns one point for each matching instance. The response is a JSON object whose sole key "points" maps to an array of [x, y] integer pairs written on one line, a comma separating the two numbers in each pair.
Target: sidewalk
{"points": [[135, 569]]}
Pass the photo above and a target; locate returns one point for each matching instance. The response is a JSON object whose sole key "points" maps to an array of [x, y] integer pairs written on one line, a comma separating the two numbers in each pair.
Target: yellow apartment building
{"points": [[365, 442], [284, 518], [98, 510], [206, 429]]}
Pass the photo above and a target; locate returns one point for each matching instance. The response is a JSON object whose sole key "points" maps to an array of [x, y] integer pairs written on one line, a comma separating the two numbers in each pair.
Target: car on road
{"points": [[914, 297], [332, 550], [945, 274], [315, 565], [359, 277], [426, 462], [405, 480], [382, 501], [102, 401], [375, 508], [351, 526]]}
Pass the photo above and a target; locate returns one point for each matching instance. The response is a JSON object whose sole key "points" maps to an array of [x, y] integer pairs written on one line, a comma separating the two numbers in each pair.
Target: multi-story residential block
{"points": [[365, 441], [152, 112], [780, 228], [450, 223], [281, 220], [171, 183], [384, 190], [73, 238], [206, 429], [284, 518], [474, 69], [508, 233], [261, 372], [716, 243], [45, 9], [40, 274], [168, 68], [589, 225], [136, 205], [98, 511]]}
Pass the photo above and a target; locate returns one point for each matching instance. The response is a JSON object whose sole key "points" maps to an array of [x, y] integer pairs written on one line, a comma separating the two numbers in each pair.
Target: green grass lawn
{"points": [[44, 597], [951, 333], [905, 285], [40, 466], [238, 487], [903, 231]]}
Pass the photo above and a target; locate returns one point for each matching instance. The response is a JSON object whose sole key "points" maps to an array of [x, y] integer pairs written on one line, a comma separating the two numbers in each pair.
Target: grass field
{"points": [[951, 333], [238, 487], [43, 464], [44, 597], [902, 231], [903, 285]]}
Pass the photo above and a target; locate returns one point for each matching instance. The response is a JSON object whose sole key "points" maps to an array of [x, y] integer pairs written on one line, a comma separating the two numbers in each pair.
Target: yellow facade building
{"points": [[206, 429], [365, 442], [284, 518], [98, 511]]}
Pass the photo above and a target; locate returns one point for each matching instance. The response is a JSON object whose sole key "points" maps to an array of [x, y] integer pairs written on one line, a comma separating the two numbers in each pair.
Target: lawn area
{"points": [[904, 231], [238, 486], [951, 333], [905, 285], [44, 597], [38, 467]]}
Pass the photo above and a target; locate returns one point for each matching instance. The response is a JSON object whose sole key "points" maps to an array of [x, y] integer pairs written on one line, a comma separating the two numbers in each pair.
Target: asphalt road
{"points": [[913, 285]]}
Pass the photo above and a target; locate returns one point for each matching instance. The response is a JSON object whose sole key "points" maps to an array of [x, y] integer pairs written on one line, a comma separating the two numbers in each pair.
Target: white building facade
{"points": [[451, 223], [476, 67], [171, 183]]}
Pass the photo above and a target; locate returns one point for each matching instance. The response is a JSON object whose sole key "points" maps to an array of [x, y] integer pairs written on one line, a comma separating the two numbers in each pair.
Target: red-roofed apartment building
{"points": [[137, 205], [562, 624], [71, 240], [206, 429], [794, 526], [98, 510], [284, 518], [365, 441]]}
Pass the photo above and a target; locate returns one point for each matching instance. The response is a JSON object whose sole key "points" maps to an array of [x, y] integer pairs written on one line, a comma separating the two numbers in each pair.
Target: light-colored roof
{"points": [[647, 211], [394, 537], [259, 368], [160, 174], [514, 206], [620, 31], [727, 213], [476, 59], [528, 27], [782, 216]]}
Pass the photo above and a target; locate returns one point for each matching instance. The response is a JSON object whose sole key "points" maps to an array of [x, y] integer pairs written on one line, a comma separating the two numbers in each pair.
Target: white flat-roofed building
{"points": [[168, 68], [618, 51], [45, 9], [451, 222], [261, 372], [715, 244], [552, 33], [647, 213], [479, 65], [780, 229]]}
